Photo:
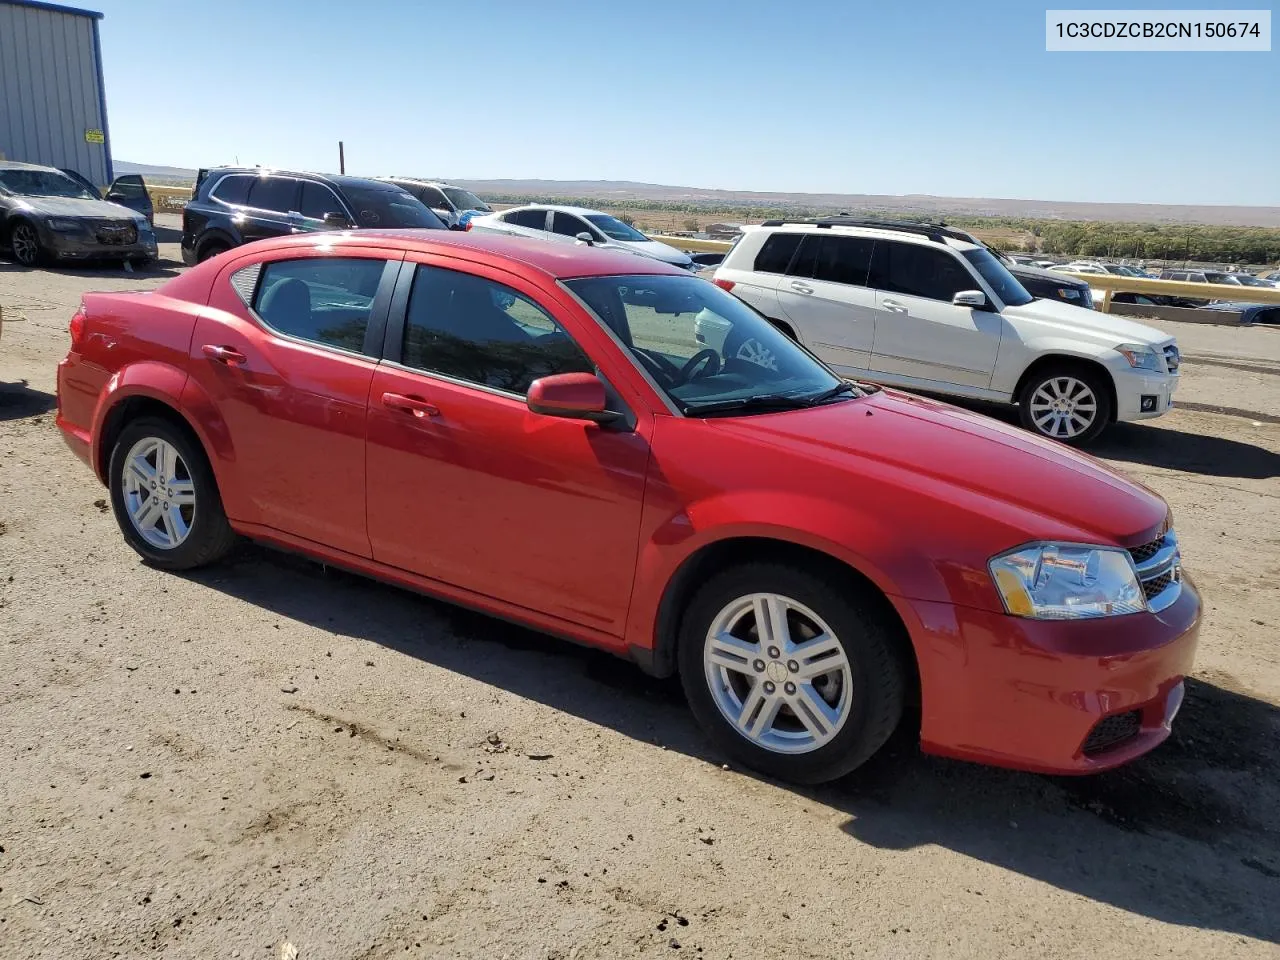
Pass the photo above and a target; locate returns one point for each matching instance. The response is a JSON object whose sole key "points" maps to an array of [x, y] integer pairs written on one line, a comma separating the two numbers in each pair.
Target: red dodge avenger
{"points": [[535, 430]]}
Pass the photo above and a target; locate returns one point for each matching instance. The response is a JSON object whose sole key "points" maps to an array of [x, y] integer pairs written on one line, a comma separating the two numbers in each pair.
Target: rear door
{"points": [[826, 298], [267, 208], [921, 337], [131, 191], [755, 280], [527, 223]]}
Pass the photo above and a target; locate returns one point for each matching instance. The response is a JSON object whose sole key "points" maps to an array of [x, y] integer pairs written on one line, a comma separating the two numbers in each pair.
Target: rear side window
{"points": [[483, 332], [533, 219], [324, 300], [233, 190], [918, 271], [278, 194], [777, 252], [844, 260]]}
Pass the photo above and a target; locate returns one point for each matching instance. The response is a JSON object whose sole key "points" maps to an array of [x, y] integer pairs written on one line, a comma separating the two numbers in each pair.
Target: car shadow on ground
{"points": [[1160, 446], [98, 268], [18, 400], [1189, 835]]}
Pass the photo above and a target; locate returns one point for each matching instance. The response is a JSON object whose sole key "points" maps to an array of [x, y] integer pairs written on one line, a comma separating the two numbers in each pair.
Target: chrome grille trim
{"points": [[1164, 564]]}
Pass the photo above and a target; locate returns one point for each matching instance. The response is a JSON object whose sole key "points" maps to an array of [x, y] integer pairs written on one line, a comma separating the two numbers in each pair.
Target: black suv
{"points": [[235, 205]]}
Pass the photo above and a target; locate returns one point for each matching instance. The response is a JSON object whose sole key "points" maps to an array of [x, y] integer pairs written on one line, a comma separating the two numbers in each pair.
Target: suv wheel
{"points": [[211, 250], [165, 498], [790, 674], [25, 243], [1067, 402]]}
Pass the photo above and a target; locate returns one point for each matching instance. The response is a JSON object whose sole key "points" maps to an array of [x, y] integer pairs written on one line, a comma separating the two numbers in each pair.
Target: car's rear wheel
{"points": [[1067, 402], [165, 497], [792, 674], [25, 244], [211, 250]]}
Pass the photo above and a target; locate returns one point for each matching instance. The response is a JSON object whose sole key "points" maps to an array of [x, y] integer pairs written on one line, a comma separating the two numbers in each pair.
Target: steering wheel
{"points": [[660, 366], [703, 357]]}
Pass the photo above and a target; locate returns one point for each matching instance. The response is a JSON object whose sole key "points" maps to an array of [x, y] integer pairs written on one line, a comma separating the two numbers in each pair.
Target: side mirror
{"points": [[336, 220], [574, 396], [586, 238], [975, 299]]}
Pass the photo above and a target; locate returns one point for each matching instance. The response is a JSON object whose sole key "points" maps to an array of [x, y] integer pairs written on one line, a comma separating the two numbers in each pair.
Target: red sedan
{"points": [[537, 430]]}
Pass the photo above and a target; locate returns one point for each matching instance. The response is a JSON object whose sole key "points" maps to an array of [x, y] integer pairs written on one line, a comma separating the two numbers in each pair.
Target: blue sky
{"points": [[947, 98]]}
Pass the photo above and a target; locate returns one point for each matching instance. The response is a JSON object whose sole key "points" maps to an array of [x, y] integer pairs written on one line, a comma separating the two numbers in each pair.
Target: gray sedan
{"points": [[47, 216]]}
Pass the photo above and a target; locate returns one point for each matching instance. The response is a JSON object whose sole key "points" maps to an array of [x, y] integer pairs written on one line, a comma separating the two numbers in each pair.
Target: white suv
{"points": [[929, 308]]}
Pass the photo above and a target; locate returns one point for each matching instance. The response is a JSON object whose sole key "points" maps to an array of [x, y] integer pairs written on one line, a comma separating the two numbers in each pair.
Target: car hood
{"points": [[1039, 487], [1105, 327], [1035, 273], [73, 207], [657, 250]]}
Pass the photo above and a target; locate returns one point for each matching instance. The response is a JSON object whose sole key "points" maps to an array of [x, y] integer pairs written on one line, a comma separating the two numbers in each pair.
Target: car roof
{"points": [[908, 232], [16, 165], [340, 180], [562, 207], [425, 183], [554, 260]]}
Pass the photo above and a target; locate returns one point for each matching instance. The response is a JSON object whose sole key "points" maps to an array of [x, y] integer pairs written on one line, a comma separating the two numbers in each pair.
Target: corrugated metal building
{"points": [[53, 107]]}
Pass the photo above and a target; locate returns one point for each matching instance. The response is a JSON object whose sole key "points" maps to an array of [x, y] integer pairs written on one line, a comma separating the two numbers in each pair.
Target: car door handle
{"points": [[799, 287], [415, 405], [894, 306], [228, 355]]}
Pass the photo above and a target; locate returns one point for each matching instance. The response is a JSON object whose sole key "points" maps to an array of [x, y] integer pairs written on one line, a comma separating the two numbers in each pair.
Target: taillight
{"points": [[723, 284], [76, 328]]}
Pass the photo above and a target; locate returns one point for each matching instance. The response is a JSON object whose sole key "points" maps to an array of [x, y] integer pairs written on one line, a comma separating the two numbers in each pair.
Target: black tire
{"points": [[1063, 373], [210, 536], [879, 676], [24, 243], [211, 250]]}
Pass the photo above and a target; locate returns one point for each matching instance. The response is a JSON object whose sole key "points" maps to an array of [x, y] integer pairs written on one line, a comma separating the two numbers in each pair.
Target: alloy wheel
{"points": [[1063, 407], [26, 245], [778, 673], [159, 493]]}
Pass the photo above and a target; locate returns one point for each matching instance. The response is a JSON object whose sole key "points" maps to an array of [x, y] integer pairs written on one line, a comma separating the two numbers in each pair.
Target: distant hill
{"points": [[613, 192]]}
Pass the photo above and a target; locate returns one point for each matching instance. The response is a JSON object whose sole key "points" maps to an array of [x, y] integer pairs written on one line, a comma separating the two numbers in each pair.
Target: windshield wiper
{"points": [[843, 387], [764, 401]]}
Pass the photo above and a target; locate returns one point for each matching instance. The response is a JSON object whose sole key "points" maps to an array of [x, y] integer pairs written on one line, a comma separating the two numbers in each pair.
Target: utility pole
{"points": [[342, 159]]}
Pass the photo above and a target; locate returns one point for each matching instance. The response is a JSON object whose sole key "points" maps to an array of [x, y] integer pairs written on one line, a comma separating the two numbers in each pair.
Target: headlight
{"points": [[1067, 581], [1141, 356], [62, 225]]}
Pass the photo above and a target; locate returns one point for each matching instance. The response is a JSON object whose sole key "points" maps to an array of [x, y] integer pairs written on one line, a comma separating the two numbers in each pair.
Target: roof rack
{"points": [[934, 231]]}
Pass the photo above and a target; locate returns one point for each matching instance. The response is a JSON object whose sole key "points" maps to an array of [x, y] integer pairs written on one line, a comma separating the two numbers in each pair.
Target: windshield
{"points": [[706, 349], [1223, 278], [43, 183], [1250, 281], [466, 200], [389, 206], [615, 229], [1002, 282]]}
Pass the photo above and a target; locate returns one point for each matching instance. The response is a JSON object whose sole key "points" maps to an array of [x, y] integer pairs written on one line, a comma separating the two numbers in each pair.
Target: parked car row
{"points": [[605, 447]]}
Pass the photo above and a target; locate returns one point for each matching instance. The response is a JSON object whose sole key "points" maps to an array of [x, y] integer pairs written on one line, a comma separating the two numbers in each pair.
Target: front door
{"points": [[286, 367], [467, 486], [921, 337]]}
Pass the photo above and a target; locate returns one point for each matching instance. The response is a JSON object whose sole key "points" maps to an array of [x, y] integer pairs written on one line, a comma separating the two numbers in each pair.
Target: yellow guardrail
{"points": [[1110, 283], [693, 243]]}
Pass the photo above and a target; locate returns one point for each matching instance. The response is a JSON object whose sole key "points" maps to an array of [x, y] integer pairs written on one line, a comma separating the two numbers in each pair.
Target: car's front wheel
{"points": [[25, 244], [791, 673], [1067, 402], [165, 498]]}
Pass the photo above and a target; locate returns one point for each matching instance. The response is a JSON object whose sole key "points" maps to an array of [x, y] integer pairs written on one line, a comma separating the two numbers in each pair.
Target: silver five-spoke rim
{"points": [[753, 351], [159, 494], [25, 245], [778, 673], [1063, 407]]}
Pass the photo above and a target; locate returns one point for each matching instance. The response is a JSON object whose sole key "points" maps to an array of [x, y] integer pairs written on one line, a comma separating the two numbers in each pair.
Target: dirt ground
{"points": [[269, 752]]}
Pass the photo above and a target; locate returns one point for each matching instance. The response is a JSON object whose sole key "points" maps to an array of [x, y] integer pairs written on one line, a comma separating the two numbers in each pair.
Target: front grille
{"points": [[1145, 552], [1172, 358], [117, 233], [1112, 731], [1154, 587]]}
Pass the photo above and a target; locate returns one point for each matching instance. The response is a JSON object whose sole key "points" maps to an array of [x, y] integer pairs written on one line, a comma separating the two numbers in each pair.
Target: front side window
{"points": [[1005, 285], [615, 229], [473, 329], [707, 350], [433, 198], [317, 200], [915, 270], [533, 219], [386, 206], [277, 194], [233, 190], [324, 300], [567, 225], [131, 188], [466, 200]]}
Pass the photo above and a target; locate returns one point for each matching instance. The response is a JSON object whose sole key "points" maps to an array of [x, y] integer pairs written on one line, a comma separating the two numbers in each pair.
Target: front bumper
{"points": [[1142, 394], [1032, 694], [84, 245]]}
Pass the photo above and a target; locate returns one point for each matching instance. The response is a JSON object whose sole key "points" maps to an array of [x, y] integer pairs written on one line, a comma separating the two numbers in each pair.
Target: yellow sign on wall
{"points": [[94, 136]]}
